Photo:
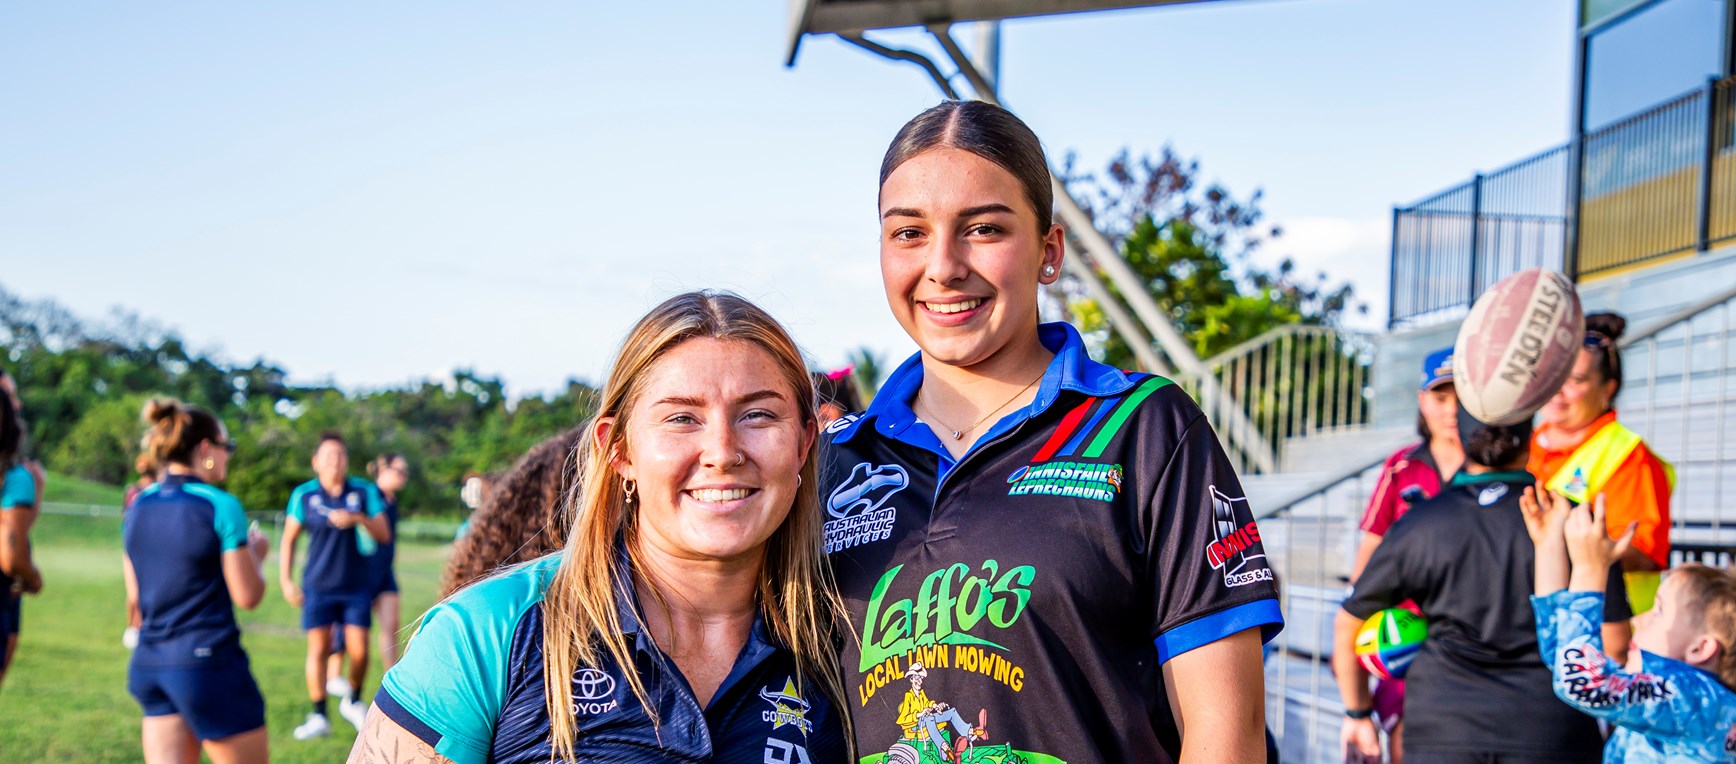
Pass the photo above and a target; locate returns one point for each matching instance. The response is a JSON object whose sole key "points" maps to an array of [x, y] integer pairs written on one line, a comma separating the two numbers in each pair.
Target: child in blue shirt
{"points": [[1673, 701]]}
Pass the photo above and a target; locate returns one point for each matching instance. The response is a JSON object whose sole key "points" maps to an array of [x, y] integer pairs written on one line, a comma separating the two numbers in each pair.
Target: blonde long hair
{"points": [[580, 620]]}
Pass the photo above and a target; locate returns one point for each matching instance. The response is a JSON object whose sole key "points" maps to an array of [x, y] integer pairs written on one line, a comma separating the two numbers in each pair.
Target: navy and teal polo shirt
{"points": [[1043, 578], [380, 562], [471, 686], [17, 490], [176, 534], [337, 558]]}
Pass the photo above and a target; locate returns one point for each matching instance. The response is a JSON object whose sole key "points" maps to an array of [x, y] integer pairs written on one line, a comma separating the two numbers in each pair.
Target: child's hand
{"points": [[1588, 543], [1544, 522]]}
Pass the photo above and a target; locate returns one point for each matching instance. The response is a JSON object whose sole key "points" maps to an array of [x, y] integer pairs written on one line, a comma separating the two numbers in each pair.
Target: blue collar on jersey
{"points": [[1071, 369], [173, 480], [760, 644]]}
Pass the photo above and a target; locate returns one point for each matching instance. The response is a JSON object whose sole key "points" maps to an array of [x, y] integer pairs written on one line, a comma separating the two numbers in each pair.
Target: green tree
{"points": [[1194, 249]]}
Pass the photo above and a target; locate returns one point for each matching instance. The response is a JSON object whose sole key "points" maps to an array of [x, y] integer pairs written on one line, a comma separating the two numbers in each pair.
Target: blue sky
{"points": [[374, 193]]}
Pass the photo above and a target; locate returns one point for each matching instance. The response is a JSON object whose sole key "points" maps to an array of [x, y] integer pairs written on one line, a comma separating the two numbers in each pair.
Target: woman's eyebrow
{"points": [[984, 209]]}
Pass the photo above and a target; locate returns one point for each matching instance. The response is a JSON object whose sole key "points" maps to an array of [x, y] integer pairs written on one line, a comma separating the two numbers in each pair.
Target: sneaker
{"points": [[353, 711], [315, 726], [338, 687]]}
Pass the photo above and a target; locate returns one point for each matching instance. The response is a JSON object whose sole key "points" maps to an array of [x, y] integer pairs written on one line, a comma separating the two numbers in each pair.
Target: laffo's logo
{"points": [[859, 506], [950, 603], [1237, 552]]}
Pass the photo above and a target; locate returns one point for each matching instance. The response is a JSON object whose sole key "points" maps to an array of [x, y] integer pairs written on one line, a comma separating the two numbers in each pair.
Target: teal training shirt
{"points": [[471, 686]]}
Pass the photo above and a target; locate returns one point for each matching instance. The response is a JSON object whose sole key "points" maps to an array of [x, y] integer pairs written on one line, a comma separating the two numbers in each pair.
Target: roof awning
{"points": [[834, 16]]}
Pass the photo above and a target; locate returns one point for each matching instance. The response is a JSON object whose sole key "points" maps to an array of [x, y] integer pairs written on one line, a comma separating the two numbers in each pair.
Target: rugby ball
{"points": [[1518, 345], [1387, 642]]}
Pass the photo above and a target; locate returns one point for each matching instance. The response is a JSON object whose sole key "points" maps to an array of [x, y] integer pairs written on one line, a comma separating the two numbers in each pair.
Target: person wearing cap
{"points": [[1478, 689], [1413, 473], [1580, 451]]}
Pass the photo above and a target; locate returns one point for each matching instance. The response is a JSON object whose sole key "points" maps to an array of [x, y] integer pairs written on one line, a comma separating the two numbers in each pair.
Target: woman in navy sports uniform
{"points": [[190, 560], [689, 618], [389, 471], [1063, 547], [20, 500], [345, 522]]}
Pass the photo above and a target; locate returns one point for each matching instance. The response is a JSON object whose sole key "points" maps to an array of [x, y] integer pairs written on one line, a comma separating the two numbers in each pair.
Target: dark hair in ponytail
{"points": [[381, 462], [987, 131], [1606, 329], [11, 432], [176, 429]]}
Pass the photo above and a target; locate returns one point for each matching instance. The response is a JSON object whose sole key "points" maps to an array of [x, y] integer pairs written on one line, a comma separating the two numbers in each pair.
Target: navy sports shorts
{"points": [[325, 609], [388, 584], [215, 701], [11, 613]]}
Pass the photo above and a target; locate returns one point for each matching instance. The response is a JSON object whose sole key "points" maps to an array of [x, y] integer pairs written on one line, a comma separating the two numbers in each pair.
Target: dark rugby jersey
{"points": [[1465, 558], [471, 686], [175, 533], [1042, 579], [337, 558]]}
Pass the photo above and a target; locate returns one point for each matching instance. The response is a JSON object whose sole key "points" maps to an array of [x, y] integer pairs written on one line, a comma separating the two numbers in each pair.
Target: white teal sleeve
{"points": [[294, 509], [1666, 699], [19, 489], [228, 517], [451, 683], [375, 504]]}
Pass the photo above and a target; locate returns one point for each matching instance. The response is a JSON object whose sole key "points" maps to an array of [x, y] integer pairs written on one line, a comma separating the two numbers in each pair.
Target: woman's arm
{"points": [[132, 581], [1217, 693], [286, 562], [384, 741]]}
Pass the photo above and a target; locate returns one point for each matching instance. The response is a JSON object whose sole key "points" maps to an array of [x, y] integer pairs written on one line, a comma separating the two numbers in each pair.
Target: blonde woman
{"points": [[689, 617]]}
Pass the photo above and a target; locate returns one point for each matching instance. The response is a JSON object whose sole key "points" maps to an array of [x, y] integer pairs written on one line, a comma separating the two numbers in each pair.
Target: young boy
{"points": [[1673, 700]]}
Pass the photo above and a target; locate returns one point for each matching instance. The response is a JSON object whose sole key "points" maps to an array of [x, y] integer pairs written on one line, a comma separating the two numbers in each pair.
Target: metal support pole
{"points": [[1392, 276], [1079, 264], [1708, 154], [1476, 235]]}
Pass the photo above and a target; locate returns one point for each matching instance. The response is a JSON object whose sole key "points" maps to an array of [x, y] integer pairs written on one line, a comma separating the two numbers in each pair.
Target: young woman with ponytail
{"points": [[20, 499], [690, 616], [190, 559]]}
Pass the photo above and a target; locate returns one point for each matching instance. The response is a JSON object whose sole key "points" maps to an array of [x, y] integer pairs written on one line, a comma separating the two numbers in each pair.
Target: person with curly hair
{"points": [[521, 519]]}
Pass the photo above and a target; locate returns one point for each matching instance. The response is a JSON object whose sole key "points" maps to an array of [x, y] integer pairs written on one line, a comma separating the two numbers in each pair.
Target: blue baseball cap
{"points": [[1438, 368]]}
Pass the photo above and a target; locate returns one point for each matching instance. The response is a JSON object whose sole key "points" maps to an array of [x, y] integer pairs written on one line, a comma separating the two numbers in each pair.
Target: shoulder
{"points": [[503, 598], [304, 489], [1402, 455], [359, 484], [17, 488]]}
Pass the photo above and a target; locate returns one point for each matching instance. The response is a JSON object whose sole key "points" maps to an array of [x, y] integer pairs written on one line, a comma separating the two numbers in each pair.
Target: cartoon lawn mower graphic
{"points": [[935, 733]]}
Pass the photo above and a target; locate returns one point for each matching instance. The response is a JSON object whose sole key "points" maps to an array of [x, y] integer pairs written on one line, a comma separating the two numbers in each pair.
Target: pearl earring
{"points": [[1048, 270]]}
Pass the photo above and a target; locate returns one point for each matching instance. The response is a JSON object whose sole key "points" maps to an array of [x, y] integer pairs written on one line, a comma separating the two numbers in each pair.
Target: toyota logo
{"points": [[591, 684]]}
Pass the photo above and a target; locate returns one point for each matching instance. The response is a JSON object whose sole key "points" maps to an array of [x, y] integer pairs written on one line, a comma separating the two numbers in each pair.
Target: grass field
{"points": [[65, 697]]}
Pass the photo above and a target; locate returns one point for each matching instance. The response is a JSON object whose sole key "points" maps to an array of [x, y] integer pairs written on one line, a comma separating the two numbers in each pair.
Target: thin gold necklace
{"points": [[959, 434]]}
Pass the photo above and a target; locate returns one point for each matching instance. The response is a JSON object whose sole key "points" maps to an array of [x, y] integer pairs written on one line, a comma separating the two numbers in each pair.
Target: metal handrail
{"points": [[1680, 316]]}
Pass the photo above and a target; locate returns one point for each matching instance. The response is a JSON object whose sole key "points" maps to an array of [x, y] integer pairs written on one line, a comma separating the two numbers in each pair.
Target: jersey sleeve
{"points": [[1386, 580], [374, 504], [19, 489], [449, 687], [1383, 505], [295, 509], [1665, 699], [1206, 566], [227, 517]]}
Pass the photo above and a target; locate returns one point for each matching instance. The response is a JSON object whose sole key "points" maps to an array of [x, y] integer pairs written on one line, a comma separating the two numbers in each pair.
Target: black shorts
{"points": [[321, 610], [215, 701]]}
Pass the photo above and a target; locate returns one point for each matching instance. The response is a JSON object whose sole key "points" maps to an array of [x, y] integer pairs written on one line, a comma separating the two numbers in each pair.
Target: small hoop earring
{"points": [[1048, 270], [629, 487], [739, 459], [798, 481]]}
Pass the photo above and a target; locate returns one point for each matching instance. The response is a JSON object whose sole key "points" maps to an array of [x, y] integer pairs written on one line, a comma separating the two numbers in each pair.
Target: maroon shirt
{"points": [[1409, 476]]}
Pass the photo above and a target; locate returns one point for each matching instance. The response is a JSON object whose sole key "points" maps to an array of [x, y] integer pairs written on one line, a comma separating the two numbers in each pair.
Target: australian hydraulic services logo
{"points": [[858, 507], [1079, 480]]}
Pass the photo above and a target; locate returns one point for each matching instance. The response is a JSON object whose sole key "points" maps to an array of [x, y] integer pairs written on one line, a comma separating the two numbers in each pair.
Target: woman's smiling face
{"points": [[961, 255], [715, 444]]}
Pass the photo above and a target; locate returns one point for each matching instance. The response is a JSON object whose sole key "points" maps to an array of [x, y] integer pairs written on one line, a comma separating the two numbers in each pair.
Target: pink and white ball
{"points": [[1518, 346]]}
